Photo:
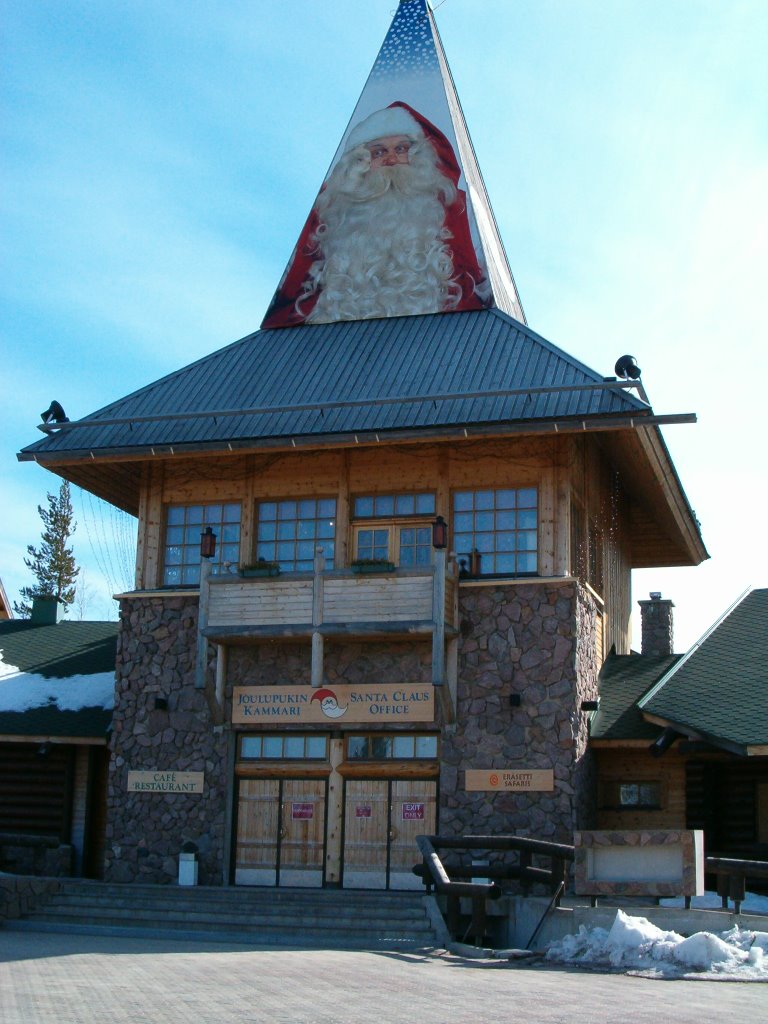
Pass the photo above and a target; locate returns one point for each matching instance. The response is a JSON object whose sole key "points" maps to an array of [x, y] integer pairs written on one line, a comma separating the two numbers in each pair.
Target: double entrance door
{"points": [[288, 833], [382, 818], [281, 832]]}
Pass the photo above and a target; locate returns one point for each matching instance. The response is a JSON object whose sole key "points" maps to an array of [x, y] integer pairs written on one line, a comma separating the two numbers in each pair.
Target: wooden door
{"points": [[382, 818], [413, 807], [258, 826], [366, 826], [302, 832]]}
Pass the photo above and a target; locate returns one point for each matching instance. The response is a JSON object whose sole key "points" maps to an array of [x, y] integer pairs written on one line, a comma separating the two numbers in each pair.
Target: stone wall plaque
{"points": [[165, 781], [513, 780], [652, 862]]}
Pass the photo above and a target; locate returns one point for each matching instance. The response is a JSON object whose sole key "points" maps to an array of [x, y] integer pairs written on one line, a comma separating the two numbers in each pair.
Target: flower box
{"points": [[261, 569], [370, 565]]}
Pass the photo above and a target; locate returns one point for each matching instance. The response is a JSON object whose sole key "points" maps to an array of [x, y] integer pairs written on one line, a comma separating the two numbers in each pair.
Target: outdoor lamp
{"points": [[439, 533], [207, 543]]}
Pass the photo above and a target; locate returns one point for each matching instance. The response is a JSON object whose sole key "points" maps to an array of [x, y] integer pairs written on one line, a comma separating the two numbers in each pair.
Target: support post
{"points": [[317, 618], [202, 621], [438, 619]]}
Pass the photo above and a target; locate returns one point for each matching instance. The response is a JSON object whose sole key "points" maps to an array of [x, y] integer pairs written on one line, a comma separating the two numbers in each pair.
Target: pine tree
{"points": [[53, 563]]}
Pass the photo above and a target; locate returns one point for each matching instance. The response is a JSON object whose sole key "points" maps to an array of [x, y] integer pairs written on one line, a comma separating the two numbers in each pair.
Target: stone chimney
{"points": [[657, 627], [45, 611]]}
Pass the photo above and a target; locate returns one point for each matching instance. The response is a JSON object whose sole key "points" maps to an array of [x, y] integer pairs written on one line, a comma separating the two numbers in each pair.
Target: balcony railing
{"points": [[335, 601]]}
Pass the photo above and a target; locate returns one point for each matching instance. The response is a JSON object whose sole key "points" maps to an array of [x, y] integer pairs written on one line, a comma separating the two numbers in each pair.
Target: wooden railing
{"points": [[732, 875], [443, 879]]}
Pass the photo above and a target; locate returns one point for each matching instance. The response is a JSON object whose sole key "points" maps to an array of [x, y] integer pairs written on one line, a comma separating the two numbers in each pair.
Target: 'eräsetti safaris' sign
{"points": [[387, 702]]}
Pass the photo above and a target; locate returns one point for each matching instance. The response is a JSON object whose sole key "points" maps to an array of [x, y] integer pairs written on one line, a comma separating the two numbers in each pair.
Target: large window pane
{"points": [[501, 525], [288, 532], [184, 524]]}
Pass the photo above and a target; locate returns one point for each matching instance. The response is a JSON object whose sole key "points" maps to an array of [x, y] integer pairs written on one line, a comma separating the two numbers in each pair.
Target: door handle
{"points": [[392, 834], [283, 833]]}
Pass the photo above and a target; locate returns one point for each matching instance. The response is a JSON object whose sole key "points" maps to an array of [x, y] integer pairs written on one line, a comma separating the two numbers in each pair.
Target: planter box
{"points": [[364, 570], [268, 570]]}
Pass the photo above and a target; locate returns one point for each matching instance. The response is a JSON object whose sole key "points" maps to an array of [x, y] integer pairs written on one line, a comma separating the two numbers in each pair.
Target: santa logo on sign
{"points": [[329, 704]]}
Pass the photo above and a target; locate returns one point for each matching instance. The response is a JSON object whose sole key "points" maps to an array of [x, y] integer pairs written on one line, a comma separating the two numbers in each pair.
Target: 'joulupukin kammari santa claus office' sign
{"points": [[386, 702]]}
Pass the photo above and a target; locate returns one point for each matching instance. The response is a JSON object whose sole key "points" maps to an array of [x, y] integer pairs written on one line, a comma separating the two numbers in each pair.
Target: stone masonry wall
{"points": [[145, 831], [345, 663], [536, 640]]}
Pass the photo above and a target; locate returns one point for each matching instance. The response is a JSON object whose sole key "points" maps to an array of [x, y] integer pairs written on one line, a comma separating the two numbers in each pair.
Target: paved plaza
{"points": [[75, 979]]}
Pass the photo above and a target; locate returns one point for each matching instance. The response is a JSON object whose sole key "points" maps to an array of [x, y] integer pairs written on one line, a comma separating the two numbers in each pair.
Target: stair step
{"points": [[315, 918]]}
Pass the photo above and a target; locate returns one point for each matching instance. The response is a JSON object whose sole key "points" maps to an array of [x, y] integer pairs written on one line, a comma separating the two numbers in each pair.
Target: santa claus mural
{"points": [[389, 234]]}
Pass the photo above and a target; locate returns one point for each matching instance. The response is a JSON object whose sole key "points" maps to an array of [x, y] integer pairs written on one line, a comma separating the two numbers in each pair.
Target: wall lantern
{"points": [[439, 534], [207, 543]]}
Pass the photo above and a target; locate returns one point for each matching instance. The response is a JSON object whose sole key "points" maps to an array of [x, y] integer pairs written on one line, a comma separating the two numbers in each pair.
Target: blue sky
{"points": [[160, 157]]}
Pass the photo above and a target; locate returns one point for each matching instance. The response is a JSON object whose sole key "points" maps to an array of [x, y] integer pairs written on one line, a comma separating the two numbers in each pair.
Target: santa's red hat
{"points": [[381, 124]]}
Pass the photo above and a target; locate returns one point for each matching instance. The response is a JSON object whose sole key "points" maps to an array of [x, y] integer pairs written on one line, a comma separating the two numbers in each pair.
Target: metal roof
{"points": [[417, 373]]}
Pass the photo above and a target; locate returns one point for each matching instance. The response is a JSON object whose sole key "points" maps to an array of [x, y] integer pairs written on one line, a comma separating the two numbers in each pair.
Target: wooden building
{"points": [[56, 696], [332, 680], [681, 741]]}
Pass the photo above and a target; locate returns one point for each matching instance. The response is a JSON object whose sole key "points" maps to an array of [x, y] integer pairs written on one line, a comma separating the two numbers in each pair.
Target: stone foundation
{"points": [[535, 641], [145, 831]]}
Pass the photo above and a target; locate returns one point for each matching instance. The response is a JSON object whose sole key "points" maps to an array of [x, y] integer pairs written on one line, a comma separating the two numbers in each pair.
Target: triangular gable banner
{"points": [[402, 224]]}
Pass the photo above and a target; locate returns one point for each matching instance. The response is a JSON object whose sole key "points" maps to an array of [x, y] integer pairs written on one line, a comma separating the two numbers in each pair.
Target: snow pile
{"points": [[636, 945], [22, 691]]}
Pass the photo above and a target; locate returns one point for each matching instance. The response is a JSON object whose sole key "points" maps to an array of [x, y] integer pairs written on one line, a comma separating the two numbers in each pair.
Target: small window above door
{"points": [[392, 528]]}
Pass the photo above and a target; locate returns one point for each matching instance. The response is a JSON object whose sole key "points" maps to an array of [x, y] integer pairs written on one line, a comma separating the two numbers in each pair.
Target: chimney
{"points": [[657, 629], [45, 611]]}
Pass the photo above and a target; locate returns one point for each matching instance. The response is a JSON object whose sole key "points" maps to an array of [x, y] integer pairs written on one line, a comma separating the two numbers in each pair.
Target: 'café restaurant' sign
{"points": [[167, 781], [377, 704]]}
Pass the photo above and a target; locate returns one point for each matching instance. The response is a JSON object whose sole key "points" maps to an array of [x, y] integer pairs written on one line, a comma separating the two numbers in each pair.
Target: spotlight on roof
{"points": [[54, 414], [626, 367]]}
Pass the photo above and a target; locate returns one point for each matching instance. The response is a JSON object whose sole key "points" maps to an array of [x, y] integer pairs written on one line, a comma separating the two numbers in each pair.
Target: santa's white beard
{"points": [[383, 245]]}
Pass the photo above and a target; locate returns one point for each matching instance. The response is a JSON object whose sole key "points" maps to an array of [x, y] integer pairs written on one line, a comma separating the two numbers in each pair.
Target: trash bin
{"points": [[188, 864]]}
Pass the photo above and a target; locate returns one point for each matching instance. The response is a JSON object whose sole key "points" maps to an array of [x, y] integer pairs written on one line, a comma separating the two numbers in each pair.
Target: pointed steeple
{"points": [[402, 224]]}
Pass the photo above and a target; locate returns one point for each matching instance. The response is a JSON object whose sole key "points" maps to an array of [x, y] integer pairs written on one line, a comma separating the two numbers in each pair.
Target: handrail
{"points": [[732, 875], [433, 872]]}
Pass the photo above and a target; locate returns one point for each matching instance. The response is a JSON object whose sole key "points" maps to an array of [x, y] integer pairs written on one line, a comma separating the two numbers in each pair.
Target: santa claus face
{"points": [[391, 150]]}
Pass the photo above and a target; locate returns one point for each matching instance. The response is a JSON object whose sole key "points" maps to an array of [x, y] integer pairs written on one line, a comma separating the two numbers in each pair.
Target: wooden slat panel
{"points": [[386, 599], [36, 791], [261, 602]]}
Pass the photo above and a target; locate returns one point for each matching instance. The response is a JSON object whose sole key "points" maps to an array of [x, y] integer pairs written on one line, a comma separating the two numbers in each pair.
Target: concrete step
{"points": [[314, 918]]}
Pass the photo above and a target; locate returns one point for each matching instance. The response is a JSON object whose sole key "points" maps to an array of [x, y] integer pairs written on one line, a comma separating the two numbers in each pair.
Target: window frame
{"points": [[226, 548], [268, 548], [392, 737], [394, 523], [494, 510]]}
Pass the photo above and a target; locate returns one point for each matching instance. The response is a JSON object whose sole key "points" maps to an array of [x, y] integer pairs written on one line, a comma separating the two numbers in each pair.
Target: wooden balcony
{"points": [[404, 602]]}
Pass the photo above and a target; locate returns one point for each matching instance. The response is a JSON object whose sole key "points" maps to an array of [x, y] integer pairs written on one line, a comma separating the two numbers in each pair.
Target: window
{"points": [[398, 536], [184, 524], [394, 746], [632, 795], [288, 532], [283, 747], [502, 526]]}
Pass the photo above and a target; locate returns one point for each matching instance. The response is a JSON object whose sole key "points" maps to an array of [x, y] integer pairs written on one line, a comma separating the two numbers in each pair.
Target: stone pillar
{"points": [[657, 625]]}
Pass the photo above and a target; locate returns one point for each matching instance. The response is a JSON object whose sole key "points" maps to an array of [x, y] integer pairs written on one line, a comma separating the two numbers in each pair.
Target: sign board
{"points": [[165, 782], [413, 812], [516, 780], [363, 811], [293, 705], [302, 812]]}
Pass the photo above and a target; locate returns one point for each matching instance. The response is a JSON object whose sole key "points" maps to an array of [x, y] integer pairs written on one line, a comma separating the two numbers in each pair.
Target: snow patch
{"points": [[23, 691], [636, 945]]}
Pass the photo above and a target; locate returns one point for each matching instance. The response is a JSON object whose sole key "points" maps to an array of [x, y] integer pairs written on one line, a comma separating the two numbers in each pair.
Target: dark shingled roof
{"points": [[623, 681], [58, 651], [720, 688], [371, 364]]}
